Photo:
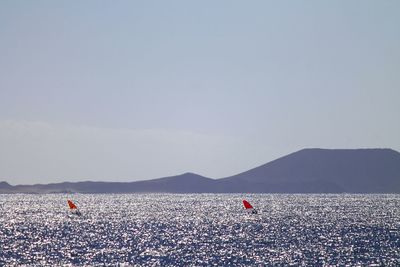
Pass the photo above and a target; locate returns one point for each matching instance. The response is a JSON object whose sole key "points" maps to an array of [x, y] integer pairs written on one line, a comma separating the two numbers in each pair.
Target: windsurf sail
{"points": [[249, 207], [71, 205], [73, 208]]}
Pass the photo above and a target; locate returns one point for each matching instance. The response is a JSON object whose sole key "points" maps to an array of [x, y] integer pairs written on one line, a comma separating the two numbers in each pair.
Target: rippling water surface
{"points": [[200, 229]]}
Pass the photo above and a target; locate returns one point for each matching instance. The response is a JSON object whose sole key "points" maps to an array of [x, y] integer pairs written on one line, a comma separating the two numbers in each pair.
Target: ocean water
{"points": [[200, 230]]}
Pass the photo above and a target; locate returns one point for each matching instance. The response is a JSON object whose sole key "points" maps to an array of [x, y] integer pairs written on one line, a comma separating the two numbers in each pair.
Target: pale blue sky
{"points": [[128, 90]]}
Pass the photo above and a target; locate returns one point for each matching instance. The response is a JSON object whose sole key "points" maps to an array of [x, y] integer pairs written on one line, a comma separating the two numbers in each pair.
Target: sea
{"points": [[200, 230]]}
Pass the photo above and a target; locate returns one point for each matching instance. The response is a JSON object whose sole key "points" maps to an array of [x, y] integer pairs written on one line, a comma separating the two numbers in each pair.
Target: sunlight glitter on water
{"points": [[200, 229]]}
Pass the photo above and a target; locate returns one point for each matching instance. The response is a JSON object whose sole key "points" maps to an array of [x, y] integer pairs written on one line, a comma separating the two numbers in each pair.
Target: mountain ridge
{"points": [[310, 170]]}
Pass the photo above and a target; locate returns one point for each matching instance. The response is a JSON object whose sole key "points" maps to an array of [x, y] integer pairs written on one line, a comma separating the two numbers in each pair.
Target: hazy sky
{"points": [[130, 90]]}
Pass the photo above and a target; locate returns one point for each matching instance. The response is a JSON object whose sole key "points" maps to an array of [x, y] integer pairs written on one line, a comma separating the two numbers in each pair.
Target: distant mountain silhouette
{"points": [[305, 171], [188, 182], [326, 170], [5, 186]]}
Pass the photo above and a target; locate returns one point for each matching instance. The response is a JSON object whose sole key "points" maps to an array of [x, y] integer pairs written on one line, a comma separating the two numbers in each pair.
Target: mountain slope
{"points": [[187, 182], [305, 171], [325, 170]]}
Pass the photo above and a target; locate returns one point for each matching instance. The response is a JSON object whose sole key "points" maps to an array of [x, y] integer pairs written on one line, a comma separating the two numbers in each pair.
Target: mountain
{"points": [[5, 186], [305, 171], [187, 182], [326, 170]]}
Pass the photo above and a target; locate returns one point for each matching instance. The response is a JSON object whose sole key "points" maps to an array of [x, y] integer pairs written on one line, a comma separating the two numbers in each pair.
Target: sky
{"points": [[134, 90]]}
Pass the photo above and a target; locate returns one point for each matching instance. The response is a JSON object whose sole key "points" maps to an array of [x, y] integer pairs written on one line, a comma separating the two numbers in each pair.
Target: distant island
{"points": [[305, 171]]}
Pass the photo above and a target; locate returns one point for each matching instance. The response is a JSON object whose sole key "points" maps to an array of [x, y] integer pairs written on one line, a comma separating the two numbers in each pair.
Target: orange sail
{"points": [[71, 205]]}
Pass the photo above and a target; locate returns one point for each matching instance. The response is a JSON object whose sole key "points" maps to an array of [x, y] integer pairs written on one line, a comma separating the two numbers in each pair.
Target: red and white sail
{"points": [[73, 208], [249, 207]]}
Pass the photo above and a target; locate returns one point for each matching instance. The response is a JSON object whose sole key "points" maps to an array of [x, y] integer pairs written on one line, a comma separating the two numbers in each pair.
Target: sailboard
{"points": [[73, 208], [249, 207]]}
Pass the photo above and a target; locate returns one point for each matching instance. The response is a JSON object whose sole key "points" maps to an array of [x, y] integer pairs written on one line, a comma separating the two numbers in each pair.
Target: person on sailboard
{"points": [[73, 208], [249, 207]]}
